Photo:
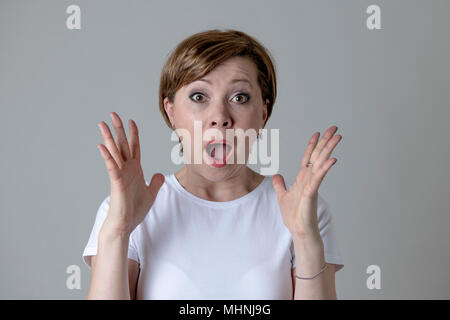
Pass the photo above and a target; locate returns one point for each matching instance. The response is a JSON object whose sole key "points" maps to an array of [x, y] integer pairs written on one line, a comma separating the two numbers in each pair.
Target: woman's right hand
{"points": [[131, 198]]}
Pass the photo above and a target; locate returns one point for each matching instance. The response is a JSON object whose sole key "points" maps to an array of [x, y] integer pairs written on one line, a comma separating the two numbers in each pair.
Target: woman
{"points": [[214, 229]]}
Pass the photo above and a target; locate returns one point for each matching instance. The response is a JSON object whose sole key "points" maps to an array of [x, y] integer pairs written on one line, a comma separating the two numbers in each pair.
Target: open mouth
{"points": [[218, 152]]}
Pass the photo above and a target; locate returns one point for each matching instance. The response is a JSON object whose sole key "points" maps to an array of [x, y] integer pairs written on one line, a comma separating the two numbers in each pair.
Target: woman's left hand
{"points": [[298, 205]]}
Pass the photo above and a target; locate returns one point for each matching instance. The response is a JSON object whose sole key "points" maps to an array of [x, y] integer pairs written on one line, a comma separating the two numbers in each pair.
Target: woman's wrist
{"points": [[112, 230], [309, 255], [308, 244]]}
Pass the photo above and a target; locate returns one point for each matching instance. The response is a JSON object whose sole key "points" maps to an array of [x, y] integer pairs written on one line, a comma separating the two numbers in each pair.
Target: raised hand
{"points": [[131, 198], [299, 205]]}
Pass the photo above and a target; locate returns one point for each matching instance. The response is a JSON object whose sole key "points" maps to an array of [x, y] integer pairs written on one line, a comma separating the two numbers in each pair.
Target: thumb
{"points": [[279, 185], [155, 184]]}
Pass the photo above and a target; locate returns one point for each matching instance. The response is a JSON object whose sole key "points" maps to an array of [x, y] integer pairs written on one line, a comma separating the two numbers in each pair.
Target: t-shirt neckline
{"points": [[218, 204]]}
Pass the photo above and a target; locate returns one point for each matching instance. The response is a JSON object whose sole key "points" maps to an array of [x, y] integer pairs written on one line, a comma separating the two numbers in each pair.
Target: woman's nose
{"points": [[220, 118], [219, 123]]}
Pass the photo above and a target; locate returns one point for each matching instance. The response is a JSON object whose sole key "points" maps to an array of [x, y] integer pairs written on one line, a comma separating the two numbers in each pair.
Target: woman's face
{"points": [[228, 97]]}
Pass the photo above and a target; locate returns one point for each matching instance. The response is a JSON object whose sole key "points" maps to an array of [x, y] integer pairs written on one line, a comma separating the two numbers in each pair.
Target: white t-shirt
{"points": [[191, 248]]}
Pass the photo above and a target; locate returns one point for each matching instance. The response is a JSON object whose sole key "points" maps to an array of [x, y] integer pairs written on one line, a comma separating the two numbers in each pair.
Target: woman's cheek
{"points": [[187, 118]]}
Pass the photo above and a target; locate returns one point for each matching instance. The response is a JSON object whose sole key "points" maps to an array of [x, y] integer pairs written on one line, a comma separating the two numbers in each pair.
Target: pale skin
{"points": [[218, 104]]}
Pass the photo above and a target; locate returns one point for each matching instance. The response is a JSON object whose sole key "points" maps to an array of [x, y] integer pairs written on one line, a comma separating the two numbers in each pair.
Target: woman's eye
{"points": [[241, 98], [244, 98], [195, 96]]}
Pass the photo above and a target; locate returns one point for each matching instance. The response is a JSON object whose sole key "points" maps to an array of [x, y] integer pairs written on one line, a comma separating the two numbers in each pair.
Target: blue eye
{"points": [[247, 97], [195, 94]]}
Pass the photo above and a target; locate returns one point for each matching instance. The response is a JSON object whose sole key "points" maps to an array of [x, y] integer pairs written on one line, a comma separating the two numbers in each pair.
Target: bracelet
{"points": [[303, 278]]}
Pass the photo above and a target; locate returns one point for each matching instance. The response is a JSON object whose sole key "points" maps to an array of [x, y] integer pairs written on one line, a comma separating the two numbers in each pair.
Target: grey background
{"points": [[387, 91]]}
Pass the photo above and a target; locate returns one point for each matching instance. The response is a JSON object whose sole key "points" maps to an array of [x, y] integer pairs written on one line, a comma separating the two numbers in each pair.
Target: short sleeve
{"points": [[328, 234], [91, 246]]}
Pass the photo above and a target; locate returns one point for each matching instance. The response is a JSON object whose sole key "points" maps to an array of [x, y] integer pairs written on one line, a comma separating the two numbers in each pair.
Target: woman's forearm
{"points": [[309, 260], [110, 273]]}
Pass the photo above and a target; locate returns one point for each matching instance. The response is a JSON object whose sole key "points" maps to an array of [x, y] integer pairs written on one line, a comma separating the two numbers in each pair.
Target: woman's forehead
{"points": [[230, 72], [235, 66]]}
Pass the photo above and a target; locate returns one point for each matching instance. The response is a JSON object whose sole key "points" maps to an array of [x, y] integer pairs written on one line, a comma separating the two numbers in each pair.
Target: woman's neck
{"points": [[240, 183]]}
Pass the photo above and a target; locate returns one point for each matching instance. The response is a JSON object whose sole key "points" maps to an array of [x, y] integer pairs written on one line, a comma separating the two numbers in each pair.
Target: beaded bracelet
{"points": [[302, 278]]}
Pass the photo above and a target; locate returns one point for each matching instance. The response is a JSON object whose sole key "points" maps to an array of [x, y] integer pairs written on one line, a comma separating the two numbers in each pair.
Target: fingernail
{"points": [[334, 162]]}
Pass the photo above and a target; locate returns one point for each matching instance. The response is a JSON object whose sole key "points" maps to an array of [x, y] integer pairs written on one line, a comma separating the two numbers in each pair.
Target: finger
{"points": [[327, 150], [319, 175], [111, 165], [279, 185], [122, 142], [310, 148], [135, 148], [326, 137], [155, 184], [111, 144]]}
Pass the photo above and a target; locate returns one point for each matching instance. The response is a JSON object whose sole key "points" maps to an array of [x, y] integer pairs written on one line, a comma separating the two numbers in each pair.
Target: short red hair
{"points": [[200, 53]]}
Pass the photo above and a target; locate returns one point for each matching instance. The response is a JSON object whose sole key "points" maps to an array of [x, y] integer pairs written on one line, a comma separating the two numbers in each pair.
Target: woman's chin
{"points": [[218, 171]]}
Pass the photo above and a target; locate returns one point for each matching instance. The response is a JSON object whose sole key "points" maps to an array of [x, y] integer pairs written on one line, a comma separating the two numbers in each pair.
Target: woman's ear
{"points": [[265, 110], [168, 107]]}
